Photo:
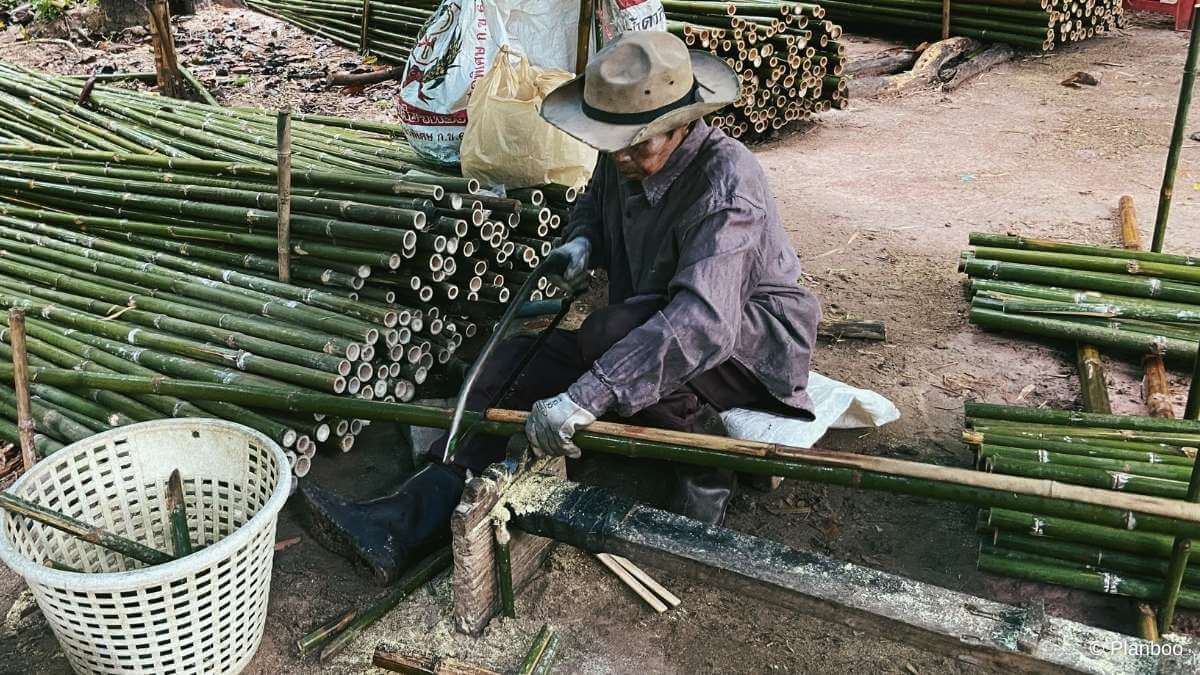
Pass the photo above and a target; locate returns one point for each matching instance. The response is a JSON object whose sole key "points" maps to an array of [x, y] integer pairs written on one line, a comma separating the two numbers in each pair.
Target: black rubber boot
{"points": [[702, 493], [388, 534]]}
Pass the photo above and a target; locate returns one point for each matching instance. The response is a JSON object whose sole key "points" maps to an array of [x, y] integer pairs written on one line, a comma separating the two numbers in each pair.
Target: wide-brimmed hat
{"points": [[642, 84]]}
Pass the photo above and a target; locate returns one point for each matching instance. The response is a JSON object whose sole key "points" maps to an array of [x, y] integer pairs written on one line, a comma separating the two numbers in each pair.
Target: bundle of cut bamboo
{"points": [[133, 255], [386, 28], [1040, 25], [786, 54], [1139, 455], [1129, 301]]}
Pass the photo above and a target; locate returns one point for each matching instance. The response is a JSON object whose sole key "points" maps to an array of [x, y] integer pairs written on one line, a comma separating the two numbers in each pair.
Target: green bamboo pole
{"points": [[1094, 557], [1177, 131], [1181, 548], [1092, 384], [834, 468], [177, 508], [537, 651], [1079, 475], [1150, 441], [248, 345], [1122, 284], [43, 445], [1114, 537], [1071, 418], [1171, 472], [94, 535], [504, 577], [67, 352], [91, 287], [1071, 576], [1123, 451], [990, 240], [411, 581]]}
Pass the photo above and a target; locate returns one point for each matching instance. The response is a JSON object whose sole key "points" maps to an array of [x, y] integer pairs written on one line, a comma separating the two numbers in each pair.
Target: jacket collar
{"points": [[655, 187]]}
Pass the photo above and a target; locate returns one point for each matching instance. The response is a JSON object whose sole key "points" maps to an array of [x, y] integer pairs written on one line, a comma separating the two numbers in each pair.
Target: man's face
{"points": [[639, 162]]}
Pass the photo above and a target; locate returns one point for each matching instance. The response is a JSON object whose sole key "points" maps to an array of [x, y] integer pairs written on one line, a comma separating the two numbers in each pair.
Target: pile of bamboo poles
{"points": [[1138, 455], [134, 252], [786, 54], [385, 28], [1128, 301], [1039, 25]]}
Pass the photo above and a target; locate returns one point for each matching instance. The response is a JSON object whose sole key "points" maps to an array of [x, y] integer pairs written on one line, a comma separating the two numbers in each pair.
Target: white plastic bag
{"points": [[507, 143], [836, 405]]}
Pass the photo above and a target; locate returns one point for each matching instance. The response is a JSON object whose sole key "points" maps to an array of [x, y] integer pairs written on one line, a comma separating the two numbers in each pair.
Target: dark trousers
{"points": [[568, 354]]}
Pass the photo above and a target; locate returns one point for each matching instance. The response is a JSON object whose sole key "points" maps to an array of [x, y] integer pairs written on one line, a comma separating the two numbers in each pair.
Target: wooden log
{"points": [[476, 585], [16, 336], [413, 664], [852, 330], [344, 79], [958, 75], [166, 63], [929, 65], [886, 62], [987, 634]]}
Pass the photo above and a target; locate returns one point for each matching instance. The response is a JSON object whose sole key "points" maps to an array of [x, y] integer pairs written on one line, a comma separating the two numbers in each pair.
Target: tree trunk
{"points": [[170, 81], [121, 14], [182, 7]]}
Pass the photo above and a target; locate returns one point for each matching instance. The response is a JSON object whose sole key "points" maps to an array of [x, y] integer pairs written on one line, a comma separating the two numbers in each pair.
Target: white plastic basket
{"points": [[203, 613]]}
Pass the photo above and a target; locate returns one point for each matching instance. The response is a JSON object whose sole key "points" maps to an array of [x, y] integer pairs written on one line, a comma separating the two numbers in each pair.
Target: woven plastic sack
{"points": [[456, 48], [614, 17], [507, 143]]}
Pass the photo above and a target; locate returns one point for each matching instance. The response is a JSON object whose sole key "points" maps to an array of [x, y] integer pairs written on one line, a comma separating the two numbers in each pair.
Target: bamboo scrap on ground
{"points": [[635, 583], [414, 664]]}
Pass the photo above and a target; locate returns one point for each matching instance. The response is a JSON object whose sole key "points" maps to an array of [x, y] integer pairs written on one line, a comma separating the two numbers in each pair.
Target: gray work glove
{"points": [[574, 279], [552, 423]]}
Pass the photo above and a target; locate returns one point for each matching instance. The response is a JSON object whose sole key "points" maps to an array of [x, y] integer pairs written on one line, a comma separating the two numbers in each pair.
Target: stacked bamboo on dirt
{"points": [[135, 252], [1139, 455], [1127, 301], [786, 54], [385, 28], [1039, 25]]}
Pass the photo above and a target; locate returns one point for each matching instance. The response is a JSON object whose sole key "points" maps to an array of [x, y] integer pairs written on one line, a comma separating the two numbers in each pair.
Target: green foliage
{"points": [[45, 10]]}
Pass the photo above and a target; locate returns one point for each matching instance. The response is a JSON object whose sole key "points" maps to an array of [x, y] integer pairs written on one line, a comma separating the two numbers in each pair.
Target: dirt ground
{"points": [[879, 200]]}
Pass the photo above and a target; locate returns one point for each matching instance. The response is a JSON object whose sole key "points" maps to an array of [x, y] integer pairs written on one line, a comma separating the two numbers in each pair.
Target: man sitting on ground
{"points": [[705, 312]]}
